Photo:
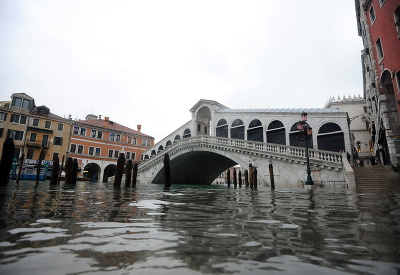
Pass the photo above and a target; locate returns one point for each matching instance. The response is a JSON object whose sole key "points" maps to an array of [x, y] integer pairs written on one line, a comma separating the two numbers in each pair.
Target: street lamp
{"points": [[306, 132]]}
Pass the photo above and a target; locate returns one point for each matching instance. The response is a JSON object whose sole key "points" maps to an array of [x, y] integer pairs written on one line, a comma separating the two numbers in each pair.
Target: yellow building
{"points": [[33, 129]]}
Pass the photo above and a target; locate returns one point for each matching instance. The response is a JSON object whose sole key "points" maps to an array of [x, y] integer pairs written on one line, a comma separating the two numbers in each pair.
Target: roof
{"points": [[49, 115], [112, 126], [206, 101], [285, 110]]}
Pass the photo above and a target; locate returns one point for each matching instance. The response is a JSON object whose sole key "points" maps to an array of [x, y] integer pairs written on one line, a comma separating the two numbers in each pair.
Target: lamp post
{"points": [[306, 132]]}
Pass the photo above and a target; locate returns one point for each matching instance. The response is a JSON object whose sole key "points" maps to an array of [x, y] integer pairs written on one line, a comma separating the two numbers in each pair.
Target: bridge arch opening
{"points": [[222, 128], [330, 137], [186, 133], [237, 129], [177, 137], [203, 119], [255, 131], [276, 133], [169, 143], [296, 139], [92, 171], [160, 148], [196, 167]]}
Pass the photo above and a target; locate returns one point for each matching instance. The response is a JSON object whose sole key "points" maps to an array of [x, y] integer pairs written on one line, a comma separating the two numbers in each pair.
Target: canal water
{"points": [[94, 228]]}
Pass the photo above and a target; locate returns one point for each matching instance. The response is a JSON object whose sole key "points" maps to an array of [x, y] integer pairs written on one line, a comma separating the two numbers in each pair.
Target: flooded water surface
{"points": [[94, 228]]}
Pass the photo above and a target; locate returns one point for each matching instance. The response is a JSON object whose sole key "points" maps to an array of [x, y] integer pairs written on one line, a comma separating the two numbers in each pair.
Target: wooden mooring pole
{"points": [[6, 160], [167, 170], [120, 169], [128, 174], [271, 176]]}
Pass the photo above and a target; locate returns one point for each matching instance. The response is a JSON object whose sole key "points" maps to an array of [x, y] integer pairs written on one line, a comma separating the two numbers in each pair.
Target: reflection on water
{"points": [[96, 228]]}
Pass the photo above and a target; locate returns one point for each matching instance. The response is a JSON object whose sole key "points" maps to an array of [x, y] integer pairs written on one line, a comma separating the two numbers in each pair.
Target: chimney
{"points": [[139, 127], [106, 119], [69, 117], [99, 117]]}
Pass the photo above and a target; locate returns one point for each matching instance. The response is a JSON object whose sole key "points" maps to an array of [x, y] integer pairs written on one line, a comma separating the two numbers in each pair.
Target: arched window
{"points": [[177, 137], [169, 143], [330, 137], [153, 152], [255, 131], [187, 134], [237, 129], [146, 156], [296, 139], [222, 128], [160, 148], [276, 133]]}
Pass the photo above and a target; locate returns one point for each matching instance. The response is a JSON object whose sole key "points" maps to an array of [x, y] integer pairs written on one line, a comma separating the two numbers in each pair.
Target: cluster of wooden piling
{"points": [[250, 177], [130, 175]]}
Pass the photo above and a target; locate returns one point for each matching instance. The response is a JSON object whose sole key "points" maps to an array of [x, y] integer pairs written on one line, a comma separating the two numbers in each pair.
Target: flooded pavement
{"points": [[94, 228]]}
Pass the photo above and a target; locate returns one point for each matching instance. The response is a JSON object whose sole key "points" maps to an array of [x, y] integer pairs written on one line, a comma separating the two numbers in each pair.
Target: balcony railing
{"points": [[38, 143]]}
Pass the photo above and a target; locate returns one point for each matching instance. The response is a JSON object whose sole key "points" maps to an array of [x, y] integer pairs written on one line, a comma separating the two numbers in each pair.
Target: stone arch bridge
{"points": [[217, 138]]}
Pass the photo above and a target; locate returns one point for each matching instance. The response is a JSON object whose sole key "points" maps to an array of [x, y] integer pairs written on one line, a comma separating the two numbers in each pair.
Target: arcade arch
{"points": [[330, 137], [203, 120], [255, 131], [295, 138], [276, 132], [237, 129], [222, 128]]}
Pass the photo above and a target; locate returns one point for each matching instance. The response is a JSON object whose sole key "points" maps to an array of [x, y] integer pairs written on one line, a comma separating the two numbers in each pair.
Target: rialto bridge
{"points": [[217, 138]]}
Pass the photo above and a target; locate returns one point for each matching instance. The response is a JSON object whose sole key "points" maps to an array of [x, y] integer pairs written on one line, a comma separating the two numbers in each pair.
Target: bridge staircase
{"points": [[376, 177]]}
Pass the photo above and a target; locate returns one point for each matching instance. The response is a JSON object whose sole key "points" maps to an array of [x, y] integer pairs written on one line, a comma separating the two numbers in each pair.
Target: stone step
{"points": [[376, 177]]}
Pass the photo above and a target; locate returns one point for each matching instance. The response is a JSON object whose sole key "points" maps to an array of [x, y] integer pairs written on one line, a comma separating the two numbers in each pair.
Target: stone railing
{"points": [[246, 146]]}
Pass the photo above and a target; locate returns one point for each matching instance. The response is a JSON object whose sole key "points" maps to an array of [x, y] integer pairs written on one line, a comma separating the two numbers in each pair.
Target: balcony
{"points": [[38, 143]]}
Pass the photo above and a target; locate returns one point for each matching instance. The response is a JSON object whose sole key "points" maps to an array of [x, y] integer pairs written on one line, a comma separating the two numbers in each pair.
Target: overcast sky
{"points": [[149, 62]]}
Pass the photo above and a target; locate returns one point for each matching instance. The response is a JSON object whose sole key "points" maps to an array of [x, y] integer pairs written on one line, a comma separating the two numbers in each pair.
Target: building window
{"points": [[35, 122], [26, 103], [47, 124], [33, 137], [60, 127], [45, 140], [16, 101], [396, 15], [23, 120], [14, 118], [93, 133], [1, 132], [118, 138], [372, 16], [371, 147], [198, 128], [128, 155], [83, 132], [3, 116], [144, 142], [133, 155], [97, 152], [29, 155], [76, 130], [100, 134], [116, 154], [379, 49], [91, 150], [134, 140], [80, 149], [110, 153], [58, 141], [73, 148], [16, 135], [358, 146]]}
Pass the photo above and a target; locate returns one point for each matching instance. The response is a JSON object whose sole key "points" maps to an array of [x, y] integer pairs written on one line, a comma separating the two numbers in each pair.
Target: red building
{"points": [[96, 143], [379, 26]]}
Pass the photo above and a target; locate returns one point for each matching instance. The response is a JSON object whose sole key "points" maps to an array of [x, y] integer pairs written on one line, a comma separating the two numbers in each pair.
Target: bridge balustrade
{"points": [[277, 150]]}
